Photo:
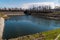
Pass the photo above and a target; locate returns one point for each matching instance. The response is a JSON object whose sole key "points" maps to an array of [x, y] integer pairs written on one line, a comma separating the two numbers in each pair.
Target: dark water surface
{"points": [[17, 26]]}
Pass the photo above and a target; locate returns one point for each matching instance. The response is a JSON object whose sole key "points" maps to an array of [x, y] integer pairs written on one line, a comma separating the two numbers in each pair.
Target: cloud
{"points": [[28, 5]]}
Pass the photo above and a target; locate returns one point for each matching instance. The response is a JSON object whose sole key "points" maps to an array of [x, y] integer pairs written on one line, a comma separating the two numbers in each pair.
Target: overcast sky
{"points": [[18, 3]]}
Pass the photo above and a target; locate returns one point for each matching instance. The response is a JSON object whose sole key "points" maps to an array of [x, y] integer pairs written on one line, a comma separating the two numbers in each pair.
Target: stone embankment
{"points": [[13, 13], [54, 16]]}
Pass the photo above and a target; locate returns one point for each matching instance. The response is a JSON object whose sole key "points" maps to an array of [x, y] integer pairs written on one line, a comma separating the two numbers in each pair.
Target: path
{"points": [[57, 37]]}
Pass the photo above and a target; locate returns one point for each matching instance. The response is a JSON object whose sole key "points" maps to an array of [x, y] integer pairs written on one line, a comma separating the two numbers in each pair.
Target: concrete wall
{"points": [[1, 27]]}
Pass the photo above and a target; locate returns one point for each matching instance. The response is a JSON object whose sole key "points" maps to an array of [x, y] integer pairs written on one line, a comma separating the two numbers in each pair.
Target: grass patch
{"points": [[51, 34], [4, 16], [48, 35]]}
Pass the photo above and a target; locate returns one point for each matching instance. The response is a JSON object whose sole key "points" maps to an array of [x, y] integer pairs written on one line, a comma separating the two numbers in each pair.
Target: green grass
{"points": [[1, 15], [49, 35], [4, 16]]}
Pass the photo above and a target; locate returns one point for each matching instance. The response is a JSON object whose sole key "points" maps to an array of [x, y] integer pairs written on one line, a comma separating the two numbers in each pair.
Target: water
{"points": [[17, 26]]}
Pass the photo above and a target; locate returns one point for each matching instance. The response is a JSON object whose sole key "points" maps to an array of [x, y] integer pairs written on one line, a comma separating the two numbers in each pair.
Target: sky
{"points": [[19, 3]]}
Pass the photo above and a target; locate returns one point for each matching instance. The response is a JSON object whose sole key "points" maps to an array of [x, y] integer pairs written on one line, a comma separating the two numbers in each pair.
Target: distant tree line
{"points": [[57, 9], [39, 9], [42, 9], [11, 9]]}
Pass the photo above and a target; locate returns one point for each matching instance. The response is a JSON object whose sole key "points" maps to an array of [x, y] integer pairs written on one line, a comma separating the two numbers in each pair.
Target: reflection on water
{"points": [[17, 26]]}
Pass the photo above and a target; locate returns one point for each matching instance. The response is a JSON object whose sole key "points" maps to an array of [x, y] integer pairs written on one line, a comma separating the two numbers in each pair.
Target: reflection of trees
{"points": [[57, 22]]}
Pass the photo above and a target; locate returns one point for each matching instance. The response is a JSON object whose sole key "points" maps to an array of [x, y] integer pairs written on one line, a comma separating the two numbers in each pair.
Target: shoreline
{"points": [[47, 16]]}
